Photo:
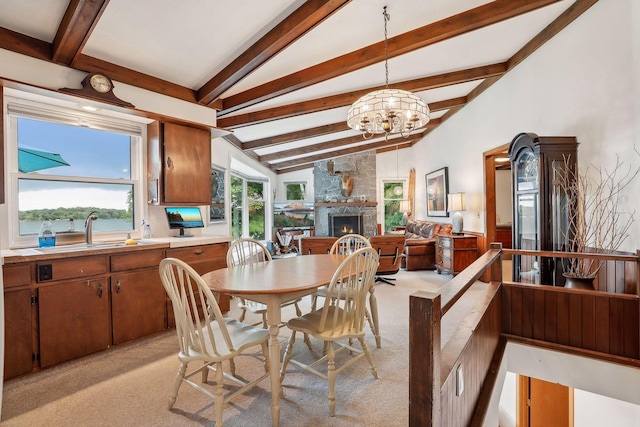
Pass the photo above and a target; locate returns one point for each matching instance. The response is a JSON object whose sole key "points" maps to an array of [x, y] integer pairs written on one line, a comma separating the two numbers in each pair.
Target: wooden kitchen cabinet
{"points": [[179, 164], [138, 305], [73, 319], [61, 307], [18, 327], [454, 253], [203, 258]]}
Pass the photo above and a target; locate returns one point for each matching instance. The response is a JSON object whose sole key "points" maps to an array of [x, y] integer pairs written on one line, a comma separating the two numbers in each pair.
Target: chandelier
{"points": [[388, 111]]}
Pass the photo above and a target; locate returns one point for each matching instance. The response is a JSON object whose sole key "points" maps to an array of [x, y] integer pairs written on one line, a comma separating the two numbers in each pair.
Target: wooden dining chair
{"points": [[343, 246], [340, 320], [206, 337], [248, 251]]}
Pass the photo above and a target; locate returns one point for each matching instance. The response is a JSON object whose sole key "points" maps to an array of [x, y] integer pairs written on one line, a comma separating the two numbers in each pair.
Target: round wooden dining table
{"points": [[273, 283]]}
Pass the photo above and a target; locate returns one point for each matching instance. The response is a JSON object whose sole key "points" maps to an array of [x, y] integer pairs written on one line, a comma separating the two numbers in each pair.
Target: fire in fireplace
{"points": [[349, 223]]}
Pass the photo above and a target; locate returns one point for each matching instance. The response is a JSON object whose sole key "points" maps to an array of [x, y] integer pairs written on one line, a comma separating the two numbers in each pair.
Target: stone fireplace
{"points": [[361, 203]]}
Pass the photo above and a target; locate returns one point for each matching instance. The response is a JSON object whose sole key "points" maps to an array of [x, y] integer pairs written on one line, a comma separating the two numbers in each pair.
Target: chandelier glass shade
{"points": [[388, 111]]}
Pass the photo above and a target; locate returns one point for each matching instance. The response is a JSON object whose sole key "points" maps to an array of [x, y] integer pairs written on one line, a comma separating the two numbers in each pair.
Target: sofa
{"points": [[420, 244]]}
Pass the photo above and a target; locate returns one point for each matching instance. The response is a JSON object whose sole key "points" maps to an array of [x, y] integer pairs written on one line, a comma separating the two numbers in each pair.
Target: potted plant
{"points": [[596, 221]]}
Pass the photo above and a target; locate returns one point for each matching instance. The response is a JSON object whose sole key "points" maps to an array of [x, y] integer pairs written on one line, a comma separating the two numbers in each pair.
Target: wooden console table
{"points": [[454, 253]]}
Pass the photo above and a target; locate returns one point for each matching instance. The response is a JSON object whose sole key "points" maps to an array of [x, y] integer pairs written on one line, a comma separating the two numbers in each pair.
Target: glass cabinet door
{"points": [[528, 236]]}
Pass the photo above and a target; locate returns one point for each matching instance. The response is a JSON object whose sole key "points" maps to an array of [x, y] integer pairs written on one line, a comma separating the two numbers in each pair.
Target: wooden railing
{"points": [[435, 372], [603, 325], [619, 273]]}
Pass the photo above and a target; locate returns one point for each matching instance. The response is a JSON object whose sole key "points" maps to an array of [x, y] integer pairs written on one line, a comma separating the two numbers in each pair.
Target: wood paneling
{"points": [[589, 320]]}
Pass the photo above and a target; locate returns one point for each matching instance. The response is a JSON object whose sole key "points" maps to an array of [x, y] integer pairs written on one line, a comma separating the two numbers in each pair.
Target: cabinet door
{"points": [[203, 259], [18, 342], [187, 165], [137, 305], [74, 320]]}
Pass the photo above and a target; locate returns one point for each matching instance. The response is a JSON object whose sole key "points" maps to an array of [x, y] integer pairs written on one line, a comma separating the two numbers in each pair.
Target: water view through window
{"points": [[66, 172]]}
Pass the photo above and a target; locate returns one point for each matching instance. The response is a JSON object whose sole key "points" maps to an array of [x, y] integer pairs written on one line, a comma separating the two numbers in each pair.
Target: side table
{"points": [[454, 253]]}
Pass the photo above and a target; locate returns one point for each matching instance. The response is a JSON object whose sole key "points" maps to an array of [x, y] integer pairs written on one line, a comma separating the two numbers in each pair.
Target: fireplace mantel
{"points": [[358, 204]]}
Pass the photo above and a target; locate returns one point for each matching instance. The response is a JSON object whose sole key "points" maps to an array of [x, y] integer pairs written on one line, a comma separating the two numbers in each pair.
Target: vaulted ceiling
{"points": [[281, 74]]}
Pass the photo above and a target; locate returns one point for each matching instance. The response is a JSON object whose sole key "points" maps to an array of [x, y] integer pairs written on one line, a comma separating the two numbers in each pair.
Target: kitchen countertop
{"points": [[11, 256]]}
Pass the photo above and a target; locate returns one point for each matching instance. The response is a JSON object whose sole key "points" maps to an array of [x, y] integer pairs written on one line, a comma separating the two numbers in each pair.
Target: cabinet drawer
{"points": [[197, 253], [16, 275], [71, 268], [137, 260]]}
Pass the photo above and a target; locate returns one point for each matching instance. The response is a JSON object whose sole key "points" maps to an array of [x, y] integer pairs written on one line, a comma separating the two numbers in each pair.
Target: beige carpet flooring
{"points": [[130, 385]]}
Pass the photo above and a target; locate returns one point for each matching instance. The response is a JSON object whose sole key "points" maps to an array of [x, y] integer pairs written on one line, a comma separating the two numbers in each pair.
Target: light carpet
{"points": [[130, 385]]}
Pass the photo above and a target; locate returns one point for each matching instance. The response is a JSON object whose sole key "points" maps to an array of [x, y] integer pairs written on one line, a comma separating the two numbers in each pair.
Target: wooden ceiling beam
{"points": [[354, 139], [307, 133], [295, 136], [464, 22], [347, 98], [134, 78], [558, 24], [25, 45], [77, 24], [343, 152], [301, 21]]}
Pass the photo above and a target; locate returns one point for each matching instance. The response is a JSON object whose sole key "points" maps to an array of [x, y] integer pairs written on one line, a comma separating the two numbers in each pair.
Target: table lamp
{"points": [[405, 208], [457, 204]]}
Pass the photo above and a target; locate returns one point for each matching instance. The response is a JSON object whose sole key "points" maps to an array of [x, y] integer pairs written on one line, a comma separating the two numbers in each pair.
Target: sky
{"points": [[89, 152]]}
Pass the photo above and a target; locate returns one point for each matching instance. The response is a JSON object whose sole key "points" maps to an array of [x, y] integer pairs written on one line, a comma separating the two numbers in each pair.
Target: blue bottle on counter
{"points": [[47, 235]]}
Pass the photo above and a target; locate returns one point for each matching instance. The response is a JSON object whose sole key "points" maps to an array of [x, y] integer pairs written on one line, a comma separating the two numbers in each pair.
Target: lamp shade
{"points": [[456, 202], [404, 206]]}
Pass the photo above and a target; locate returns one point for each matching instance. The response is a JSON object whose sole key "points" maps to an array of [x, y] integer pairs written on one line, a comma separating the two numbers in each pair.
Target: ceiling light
{"points": [[388, 111], [89, 108]]}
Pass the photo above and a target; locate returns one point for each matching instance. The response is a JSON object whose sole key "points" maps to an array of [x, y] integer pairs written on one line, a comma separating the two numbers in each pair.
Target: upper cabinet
{"points": [[178, 164]]}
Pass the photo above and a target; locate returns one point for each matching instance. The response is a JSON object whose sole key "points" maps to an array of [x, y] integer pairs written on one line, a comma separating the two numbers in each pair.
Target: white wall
{"points": [[582, 83], [611, 388]]}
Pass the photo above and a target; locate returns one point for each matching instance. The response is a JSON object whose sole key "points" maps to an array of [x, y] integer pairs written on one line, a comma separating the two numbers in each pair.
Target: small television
{"points": [[184, 217], [293, 214]]}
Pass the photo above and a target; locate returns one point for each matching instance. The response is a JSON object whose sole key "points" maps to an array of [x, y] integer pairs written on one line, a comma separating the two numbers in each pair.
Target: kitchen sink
{"points": [[83, 247]]}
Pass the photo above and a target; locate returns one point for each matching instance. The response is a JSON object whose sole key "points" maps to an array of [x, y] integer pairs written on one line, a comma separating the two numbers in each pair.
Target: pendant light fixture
{"points": [[388, 111]]}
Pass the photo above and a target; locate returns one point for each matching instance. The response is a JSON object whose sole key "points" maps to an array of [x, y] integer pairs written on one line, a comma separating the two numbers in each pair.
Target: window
{"points": [[62, 171], [392, 195], [295, 190], [248, 207]]}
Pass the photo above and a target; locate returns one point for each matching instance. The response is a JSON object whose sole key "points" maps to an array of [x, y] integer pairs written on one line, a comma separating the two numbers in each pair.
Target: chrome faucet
{"points": [[88, 228]]}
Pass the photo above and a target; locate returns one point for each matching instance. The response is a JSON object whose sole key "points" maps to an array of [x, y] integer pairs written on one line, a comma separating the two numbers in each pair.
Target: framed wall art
{"points": [[437, 190]]}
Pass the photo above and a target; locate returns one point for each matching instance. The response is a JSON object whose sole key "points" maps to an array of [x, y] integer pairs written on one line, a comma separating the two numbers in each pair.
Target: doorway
{"points": [[543, 404], [498, 206]]}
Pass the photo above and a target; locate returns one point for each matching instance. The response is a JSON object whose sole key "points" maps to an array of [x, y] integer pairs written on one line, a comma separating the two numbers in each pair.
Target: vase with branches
{"points": [[596, 219]]}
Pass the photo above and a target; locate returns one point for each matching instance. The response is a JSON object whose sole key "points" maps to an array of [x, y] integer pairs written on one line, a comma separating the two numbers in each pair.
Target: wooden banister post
{"points": [[496, 267], [424, 359]]}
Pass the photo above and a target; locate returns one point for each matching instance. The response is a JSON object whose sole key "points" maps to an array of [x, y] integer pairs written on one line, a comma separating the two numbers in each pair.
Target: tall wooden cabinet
{"points": [[179, 164], [539, 214]]}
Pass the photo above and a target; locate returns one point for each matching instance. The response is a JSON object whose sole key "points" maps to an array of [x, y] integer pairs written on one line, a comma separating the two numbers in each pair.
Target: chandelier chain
{"points": [[388, 111], [386, 56]]}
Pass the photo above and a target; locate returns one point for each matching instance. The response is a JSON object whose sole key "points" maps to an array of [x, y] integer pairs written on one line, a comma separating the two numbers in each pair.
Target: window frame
{"points": [[298, 182], [16, 107], [245, 204], [403, 197]]}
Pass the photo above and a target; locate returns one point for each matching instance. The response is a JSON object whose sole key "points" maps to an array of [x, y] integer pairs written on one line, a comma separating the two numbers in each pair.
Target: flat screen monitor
{"points": [[184, 217]]}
